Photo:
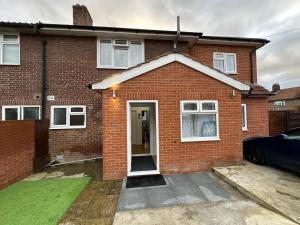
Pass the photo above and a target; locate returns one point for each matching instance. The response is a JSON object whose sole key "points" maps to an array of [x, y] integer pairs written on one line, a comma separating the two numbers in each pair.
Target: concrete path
{"points": [[278, 190], [232, 209]]}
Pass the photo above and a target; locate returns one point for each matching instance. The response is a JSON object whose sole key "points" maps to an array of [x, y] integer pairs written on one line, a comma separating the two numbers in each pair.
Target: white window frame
{"points": [[20, 110], [244, 113], [282, 103], [69, 113], [99, 66], [225, 61], [2, 42], [202, 112]]}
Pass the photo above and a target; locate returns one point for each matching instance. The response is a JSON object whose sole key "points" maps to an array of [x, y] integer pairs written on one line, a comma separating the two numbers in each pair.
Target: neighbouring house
{"points": [[284, 99], [148, 101]]}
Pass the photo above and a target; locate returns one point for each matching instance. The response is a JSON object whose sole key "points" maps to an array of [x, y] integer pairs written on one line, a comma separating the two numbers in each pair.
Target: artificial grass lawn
{"points": [[41, 202]]}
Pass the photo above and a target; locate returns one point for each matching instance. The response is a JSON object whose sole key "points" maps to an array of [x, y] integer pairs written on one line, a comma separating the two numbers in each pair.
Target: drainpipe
{"points": [[43, 70], [251, 72]]}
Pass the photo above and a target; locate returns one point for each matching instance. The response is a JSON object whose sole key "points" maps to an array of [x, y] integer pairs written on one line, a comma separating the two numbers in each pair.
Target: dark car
{"points": [[282, 150]]}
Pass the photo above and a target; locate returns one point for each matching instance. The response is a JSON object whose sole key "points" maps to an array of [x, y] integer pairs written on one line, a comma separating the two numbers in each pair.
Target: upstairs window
{"points": [[68, 117], [280, 103], [119, 53], [24, 112], [225, 62], [9, 49], [199, 121]]}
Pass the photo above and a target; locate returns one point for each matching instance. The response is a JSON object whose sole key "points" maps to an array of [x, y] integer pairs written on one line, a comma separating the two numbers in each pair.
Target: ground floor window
{"points": [[244, 117], [21, 112], [68, 117], [199, 120]]}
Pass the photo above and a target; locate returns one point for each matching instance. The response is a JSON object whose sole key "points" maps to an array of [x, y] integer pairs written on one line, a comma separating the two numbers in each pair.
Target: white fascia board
{"points": [[156, 63]]}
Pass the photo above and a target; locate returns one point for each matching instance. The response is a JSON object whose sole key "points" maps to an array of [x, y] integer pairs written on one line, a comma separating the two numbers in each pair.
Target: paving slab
{"points": [[180, 189], [276, 189]]}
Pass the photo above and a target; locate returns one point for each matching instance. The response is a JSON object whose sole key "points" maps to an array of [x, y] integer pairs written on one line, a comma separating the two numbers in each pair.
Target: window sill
{"points": [[66, 128], [199, 139], [112, 68], [244, 129], [9, 64], [231, 73]]}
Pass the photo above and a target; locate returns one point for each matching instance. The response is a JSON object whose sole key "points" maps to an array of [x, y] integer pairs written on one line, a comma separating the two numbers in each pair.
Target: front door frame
{"points": [[129, 150]]}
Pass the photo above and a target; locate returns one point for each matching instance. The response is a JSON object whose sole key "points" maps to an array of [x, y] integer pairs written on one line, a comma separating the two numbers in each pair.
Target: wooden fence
{"points": [[281, 121]]}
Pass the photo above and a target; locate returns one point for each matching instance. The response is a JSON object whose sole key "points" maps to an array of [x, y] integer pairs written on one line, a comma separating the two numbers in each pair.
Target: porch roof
{"points": [[140, 69]]}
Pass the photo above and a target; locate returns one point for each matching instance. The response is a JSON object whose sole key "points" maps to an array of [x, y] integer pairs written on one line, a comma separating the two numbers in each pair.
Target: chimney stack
{"points": [[81, 15], [275, 88]]}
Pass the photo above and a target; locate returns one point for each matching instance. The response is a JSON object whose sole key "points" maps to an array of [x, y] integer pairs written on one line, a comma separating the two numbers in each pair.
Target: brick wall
{"points": [[169, 85], [70, 66], [204, 53], [16, 151], [257, 117]]}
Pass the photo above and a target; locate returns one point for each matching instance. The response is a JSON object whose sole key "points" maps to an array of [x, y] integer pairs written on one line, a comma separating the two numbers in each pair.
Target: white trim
{"points": [[20, 110], [129, 153], [201, 112], [68, 114], [137, 155], [99, 66], [2, 42], [234, 72], [172, 57], [244, 113]]}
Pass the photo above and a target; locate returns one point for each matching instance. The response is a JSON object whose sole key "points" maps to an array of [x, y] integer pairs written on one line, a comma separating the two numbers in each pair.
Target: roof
{"points": [[67, 29], [165, 59], [257, 91], [286, 94]]}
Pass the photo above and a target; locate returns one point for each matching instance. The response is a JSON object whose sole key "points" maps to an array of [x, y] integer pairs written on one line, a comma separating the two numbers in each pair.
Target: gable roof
{"points": [[123, 76], [285, 94]]}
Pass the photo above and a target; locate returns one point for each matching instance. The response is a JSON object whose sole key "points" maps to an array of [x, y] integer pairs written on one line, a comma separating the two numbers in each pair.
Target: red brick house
{"points": [[149, 101]]}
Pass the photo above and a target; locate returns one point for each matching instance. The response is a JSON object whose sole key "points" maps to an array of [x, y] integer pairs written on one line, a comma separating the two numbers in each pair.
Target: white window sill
{"points": [[112, 68], [9, 64], [244, 129], [66, 128], [232, 73], [200, 139]]}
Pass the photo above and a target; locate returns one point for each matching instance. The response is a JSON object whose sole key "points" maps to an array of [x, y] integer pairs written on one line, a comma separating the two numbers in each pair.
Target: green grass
{"points": [[42, 202]]}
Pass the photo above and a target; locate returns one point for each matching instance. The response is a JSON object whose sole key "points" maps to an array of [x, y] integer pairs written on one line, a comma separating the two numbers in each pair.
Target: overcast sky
{"points": [[278, 61]]}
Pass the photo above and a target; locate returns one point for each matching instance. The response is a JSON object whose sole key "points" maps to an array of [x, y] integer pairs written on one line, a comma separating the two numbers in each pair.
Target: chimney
{"points": [[81, 15], [275, 88]]}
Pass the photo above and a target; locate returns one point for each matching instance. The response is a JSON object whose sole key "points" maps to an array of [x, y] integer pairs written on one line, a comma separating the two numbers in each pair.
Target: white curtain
{"points": [[105, 53], [230, 63], [219, 64], [199, 125], [136, 53], [11, 53], [121, 56]]}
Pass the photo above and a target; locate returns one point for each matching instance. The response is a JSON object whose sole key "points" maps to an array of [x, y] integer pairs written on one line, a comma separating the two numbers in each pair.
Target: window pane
{"points": [[190, 106], [76, 109], [76, 120], [199, 125], [10, 37], [11, 54], [31, 113], [294, 134], [136, 53], [219, 64], [230, 63], [11, 114], [60, 116], [105, 52], [121, 56], [208, 106], [219, 56], [121, 42], [243, 116]]}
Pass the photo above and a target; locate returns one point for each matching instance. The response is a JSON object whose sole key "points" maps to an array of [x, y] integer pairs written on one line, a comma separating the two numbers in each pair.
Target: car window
{"points": [[295, 134]]}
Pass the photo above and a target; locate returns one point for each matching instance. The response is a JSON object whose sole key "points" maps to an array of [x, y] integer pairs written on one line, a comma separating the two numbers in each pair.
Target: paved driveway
{"points": [[274, 188], [200, 198]]}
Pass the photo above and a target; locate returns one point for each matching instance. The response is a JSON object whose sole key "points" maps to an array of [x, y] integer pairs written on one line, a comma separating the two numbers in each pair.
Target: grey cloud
{"points": [[277, 62]]}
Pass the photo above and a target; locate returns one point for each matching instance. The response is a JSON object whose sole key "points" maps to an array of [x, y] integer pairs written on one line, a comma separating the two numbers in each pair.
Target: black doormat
{"points": [[145, 181]]}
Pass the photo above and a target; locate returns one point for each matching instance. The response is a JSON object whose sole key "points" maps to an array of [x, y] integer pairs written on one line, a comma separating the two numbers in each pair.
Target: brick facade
{"points": [[70, 67], [169, 85]]}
